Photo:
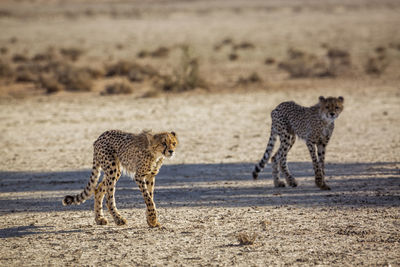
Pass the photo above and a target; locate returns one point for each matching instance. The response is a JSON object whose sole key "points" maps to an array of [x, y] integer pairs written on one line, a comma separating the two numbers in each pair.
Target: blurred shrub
{"points": [[50, 84], [74, 78], [3, 50], [72, 53], [233, 56], [300, 64], [246, 239], [186, 76], [20, 58], [251, 79], [6, 71], [269, 61], [377, 64], [142, 72], [117, 88], [160, 52], [26, 76], [244, 45], [121, 68]]}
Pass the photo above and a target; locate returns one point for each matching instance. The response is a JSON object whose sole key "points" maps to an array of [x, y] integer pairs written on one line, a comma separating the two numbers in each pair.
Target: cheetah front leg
{"points": [[151, 179], [319, 178], [321, 157], [113, 177], [151, 212]]}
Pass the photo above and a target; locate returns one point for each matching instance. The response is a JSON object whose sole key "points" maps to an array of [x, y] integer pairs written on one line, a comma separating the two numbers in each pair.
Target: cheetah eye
{"points": [[174, 144], [336, 107], [164, 144]]}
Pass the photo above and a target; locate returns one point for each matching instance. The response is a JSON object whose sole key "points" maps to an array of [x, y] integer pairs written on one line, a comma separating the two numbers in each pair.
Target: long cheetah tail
{"points": [[260, 166], [87, 192]]}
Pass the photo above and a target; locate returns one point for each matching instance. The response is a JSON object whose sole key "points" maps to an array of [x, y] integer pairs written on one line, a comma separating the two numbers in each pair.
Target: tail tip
{"points": [[255, 175], [68, 200]]}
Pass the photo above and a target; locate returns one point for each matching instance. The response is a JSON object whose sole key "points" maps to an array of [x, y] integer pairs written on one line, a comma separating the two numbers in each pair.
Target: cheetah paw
{"points": [[279, 184], [293, 183], [101, 221], [324, 187], [153, 224], [120, 221]]}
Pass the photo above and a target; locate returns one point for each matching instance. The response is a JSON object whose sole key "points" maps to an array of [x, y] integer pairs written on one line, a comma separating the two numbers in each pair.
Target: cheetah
{"points": [[139, 155], [313, 124]]}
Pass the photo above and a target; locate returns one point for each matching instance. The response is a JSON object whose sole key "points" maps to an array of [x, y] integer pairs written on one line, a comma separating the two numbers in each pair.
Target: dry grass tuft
{"points": [[225, 42], [120, 68], [186, 77], [265, 224], [71, 53], [160, 52], [142, 72], [233, 56], [17, 58], [6, 71], [244, 45], [251, 79], [74, 79], [46, 56], [269, 61], [3, 50], [377, 63], [117, 89], [300, 64], [26, 76], [50, 84], [246, 239], [151, 94]]}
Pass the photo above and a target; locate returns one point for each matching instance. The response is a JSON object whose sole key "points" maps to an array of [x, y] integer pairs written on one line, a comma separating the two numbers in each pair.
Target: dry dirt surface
{"points": [[206, 197], [212, 212]]}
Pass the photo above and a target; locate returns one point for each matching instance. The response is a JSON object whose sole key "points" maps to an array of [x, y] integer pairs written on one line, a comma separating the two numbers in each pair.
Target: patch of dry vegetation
{"points": [[186, 76], [6, 70], [300, 64], [253, 78], [246, 239], [378, 62], [117, 89], [160, 52], [71, 53]]}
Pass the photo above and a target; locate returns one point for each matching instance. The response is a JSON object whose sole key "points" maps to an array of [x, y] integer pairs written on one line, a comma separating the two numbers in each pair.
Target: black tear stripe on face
{"points": [[165, 149]]}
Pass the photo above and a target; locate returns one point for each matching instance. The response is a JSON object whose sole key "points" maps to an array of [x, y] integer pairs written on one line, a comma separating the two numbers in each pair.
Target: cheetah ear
{"points": [[341, 99], [322, 99], [173, 133]]}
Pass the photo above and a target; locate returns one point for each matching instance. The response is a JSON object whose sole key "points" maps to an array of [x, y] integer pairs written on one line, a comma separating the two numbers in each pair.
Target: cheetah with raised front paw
{"points": [[140, 155], [312, 124]]}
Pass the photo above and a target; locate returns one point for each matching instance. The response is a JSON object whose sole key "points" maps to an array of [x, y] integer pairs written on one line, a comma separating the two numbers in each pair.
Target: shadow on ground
{"points": [[20, 231], [218, 185]]}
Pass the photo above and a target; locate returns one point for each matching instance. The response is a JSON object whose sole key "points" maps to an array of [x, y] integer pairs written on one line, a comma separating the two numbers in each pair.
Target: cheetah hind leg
{"points": [[290, 180], [98, 204], [275, 170]]}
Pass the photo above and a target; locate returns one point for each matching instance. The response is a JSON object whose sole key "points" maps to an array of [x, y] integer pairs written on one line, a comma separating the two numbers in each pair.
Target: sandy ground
{"points": [[205, 195]]}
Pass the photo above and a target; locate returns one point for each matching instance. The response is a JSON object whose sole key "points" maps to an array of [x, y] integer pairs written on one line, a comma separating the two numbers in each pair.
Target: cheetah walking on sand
{"points": [[140, 155], [312, 124]]}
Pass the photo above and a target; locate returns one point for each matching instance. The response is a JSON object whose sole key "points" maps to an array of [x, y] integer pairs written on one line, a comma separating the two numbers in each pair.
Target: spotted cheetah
{"points": [[312, 124], [140, 155]]}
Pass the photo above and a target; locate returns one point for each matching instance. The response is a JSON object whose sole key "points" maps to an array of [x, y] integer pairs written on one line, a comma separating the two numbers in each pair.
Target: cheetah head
{"points": [[331, 107], [165, 143]]}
